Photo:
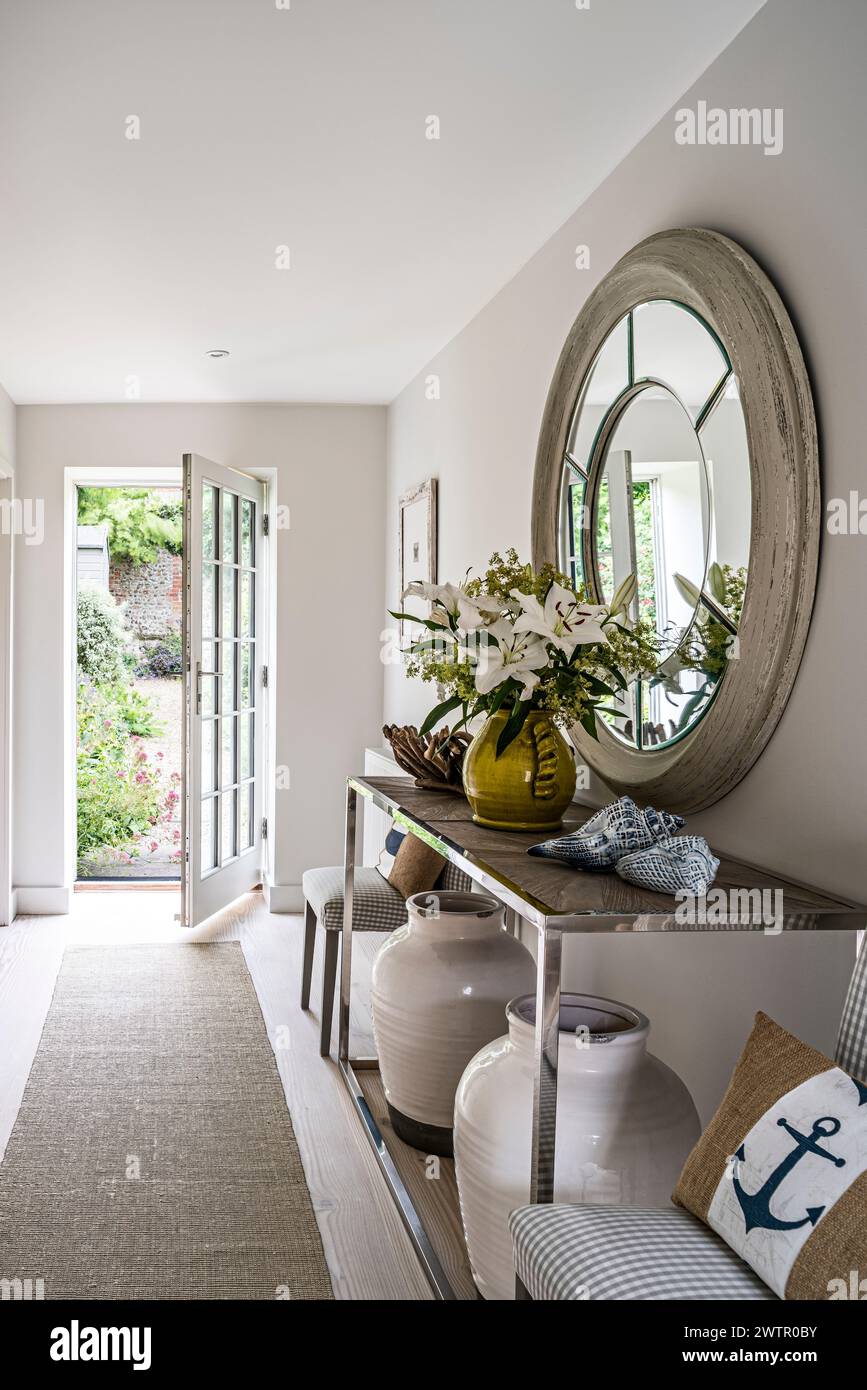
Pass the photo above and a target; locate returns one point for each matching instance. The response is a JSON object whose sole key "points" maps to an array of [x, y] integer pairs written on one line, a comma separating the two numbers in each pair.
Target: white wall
{"points": [[330, 463], [7, 433], [7, 472], [803, 808]]}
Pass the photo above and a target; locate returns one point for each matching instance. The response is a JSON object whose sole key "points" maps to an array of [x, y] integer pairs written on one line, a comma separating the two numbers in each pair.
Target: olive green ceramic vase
{"points": [[531, 783]]}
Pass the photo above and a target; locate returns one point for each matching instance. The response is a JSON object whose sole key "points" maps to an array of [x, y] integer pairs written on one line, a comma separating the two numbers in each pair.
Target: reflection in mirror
{"points": [[607, 378], [673, 345], [669, 501]]}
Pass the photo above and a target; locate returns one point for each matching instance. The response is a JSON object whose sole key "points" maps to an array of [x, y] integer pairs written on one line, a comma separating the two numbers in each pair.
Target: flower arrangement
{"points": [[706, 647], [517, 639]]}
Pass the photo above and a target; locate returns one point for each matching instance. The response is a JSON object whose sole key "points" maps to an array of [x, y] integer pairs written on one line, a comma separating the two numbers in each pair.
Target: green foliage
{"points": [[140, 522], [103, 638], [707, 646], [642, 518], [135, 712], [118, 794], [161, 658]]}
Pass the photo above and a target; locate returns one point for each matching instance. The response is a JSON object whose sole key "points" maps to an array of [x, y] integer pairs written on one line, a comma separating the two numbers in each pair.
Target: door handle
{"points": [[199, 674]]}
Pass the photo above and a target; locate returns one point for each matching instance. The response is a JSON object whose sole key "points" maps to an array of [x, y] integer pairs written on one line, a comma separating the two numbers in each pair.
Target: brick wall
{"points": [[152, 593]]}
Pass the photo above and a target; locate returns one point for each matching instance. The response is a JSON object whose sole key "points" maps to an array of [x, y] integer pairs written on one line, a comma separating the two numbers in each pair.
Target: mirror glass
{"points": [[657, 484]]}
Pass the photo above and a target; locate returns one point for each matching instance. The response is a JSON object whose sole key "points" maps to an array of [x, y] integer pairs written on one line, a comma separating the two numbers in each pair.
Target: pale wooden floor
{"points": [[368, 1251]]}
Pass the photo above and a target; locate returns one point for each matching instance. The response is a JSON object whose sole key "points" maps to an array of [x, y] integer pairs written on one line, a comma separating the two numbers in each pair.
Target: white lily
{"points": [[446, 595], [517, 654], [564, 620], [478, 612], [470, 614], [689, 592], [623, 595]]}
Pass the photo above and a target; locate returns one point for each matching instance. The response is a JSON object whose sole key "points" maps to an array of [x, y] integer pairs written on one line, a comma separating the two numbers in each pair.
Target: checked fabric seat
{"points": [[376, 906], [565, 1252]]}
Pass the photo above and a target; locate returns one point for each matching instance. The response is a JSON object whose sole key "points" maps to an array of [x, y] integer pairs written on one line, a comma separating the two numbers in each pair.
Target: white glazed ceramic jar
{"points": [[625, 1124], [438, 989]]}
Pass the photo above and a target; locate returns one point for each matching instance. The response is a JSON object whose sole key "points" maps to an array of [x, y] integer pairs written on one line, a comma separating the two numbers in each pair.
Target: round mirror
{"points": [[679, 445], [657, 485]]}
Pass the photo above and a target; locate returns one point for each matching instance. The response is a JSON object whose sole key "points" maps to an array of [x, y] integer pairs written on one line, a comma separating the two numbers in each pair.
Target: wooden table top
{"points": [[552, 894]]}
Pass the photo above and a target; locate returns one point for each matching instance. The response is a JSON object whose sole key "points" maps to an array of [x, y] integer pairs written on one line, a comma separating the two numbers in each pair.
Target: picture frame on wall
{"points": [[417, 526]]}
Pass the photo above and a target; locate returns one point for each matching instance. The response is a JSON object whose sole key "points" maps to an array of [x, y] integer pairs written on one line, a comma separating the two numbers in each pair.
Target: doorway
{"points": [[129, 684], [171, 616]]}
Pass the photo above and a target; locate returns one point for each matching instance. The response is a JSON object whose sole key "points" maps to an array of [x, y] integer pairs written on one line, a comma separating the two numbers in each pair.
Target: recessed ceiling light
{"points": [[217, 352]]}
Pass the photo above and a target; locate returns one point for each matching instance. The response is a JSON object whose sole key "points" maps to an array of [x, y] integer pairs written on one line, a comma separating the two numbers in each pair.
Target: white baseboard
{"points": [[283, 897], [41, 902]]}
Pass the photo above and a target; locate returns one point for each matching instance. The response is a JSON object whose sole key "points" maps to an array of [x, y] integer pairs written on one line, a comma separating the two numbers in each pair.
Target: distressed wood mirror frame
{"points": [[715, 277]]}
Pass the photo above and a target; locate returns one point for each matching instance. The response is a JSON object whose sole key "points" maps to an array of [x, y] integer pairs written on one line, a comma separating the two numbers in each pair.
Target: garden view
{"points": [[129, 693]]}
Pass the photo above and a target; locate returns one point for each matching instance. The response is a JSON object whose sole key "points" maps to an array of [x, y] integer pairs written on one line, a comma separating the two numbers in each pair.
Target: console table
{"points": [[550, 898]]}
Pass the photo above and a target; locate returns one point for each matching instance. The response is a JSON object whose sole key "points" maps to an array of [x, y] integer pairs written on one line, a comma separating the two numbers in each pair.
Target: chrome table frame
{"points": [[549, 929]]}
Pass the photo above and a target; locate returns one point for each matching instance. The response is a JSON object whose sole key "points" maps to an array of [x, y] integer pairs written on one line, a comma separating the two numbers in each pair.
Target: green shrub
{"points": [[103, 638], [118, 792], [135, 711], [161, 657]]}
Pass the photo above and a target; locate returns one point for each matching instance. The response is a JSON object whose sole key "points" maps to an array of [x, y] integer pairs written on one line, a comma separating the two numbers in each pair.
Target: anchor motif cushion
{"points": [[780, 1173]]}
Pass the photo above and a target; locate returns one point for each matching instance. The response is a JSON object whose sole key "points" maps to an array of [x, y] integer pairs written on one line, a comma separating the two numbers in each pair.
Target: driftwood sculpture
{"points": [[435, 760]]}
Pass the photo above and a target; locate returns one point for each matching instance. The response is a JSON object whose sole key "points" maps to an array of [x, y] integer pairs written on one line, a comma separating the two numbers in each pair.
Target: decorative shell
{"points": [[435, 760], [681, 863], [616, 830]]}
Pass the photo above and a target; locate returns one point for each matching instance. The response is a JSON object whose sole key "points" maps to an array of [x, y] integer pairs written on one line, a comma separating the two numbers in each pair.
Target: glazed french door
{"points": [[224, 567]]}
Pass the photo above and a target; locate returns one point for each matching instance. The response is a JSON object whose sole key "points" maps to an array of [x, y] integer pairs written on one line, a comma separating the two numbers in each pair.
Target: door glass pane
{"points": [[245, 829], [228, 628], [246, 604], [230, 527], [207, 690], [208, 581], [245, 752], [209, 858], [208, 767], [247, 650], [227, 812], [209, 513], [247, 531], [227, 740], [228, 689]]}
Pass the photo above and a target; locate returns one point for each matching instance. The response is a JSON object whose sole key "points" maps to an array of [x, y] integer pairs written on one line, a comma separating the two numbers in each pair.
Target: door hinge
{"points": [[264, 827], [264, 676], [266, 524]]}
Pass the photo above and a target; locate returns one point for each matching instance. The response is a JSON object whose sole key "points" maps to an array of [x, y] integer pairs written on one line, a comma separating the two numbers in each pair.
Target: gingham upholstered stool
{"points": [[564, 1252], [376, 906]]}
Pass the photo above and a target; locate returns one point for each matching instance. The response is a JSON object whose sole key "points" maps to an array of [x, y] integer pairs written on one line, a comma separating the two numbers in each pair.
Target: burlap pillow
{"points": [[781, 1170], [416, 867]]}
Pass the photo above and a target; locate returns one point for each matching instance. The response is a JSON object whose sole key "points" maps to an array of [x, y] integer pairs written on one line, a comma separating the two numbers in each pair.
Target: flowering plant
{"points": [[517, 639], [124, 797]]}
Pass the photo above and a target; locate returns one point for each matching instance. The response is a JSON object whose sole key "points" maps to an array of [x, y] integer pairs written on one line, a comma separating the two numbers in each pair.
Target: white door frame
{"points": [[75, 477], [7, 490]]}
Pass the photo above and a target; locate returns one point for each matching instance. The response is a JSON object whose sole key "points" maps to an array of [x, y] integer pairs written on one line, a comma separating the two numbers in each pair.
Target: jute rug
{"points": [[153, 1155]]}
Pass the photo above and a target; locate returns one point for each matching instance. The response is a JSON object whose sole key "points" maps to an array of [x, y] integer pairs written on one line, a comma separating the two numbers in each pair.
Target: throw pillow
{"points": [[393, 841], [780, 1173], [416, 867]]}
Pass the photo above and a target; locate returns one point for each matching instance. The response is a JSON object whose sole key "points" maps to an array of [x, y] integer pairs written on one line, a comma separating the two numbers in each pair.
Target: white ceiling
{"points": [[304, 127]]}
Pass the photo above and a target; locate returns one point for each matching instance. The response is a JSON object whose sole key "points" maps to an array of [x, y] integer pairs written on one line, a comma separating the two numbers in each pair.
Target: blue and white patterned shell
{"points": [[681, 864], [616, 830]]}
